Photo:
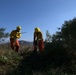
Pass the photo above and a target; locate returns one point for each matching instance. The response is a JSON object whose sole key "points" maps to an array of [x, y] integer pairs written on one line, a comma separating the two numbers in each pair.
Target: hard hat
{"points": [[37, 29], [18, 27]]}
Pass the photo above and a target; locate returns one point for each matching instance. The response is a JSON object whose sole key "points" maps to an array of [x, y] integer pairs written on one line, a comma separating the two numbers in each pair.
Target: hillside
{"points": [[57, 58], [28, 63], [22, 42]]}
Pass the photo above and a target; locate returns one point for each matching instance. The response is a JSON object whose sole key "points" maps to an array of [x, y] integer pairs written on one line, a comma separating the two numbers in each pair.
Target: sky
{"points": [[45, 14]]}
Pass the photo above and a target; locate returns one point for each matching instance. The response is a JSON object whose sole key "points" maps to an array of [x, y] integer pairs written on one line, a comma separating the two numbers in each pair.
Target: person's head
{"points": [[37, 29], [18, 28]]}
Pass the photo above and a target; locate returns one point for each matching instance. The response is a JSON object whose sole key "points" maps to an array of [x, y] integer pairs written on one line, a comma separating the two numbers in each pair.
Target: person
{"points": [[14, 36], [38, 40]]}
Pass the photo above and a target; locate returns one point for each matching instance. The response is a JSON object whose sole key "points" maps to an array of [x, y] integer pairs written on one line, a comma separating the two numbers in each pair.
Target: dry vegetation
{"points": [[28, 63]]}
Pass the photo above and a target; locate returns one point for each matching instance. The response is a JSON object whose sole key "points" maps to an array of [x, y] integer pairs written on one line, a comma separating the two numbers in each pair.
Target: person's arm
{"points": [[41, 35], [11, 34], [34, 38], [18, 35]]}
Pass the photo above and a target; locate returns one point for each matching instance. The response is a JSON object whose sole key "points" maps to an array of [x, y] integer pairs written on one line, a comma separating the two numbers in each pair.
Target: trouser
{"points": [[14, 44], [40, 46]]}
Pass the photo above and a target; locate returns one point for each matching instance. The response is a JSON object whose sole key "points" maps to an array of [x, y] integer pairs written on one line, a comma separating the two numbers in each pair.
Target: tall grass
{"points": [[55, 60]]}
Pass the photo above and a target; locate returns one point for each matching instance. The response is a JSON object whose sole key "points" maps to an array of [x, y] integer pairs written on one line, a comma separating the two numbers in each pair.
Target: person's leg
{"points": [[12, 43], [41, 45], [35, 49], [35, 46], [17, 46]]}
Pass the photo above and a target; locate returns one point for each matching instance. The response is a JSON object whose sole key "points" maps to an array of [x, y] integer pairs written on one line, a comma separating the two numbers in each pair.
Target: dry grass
{"points": [[28, 63]]}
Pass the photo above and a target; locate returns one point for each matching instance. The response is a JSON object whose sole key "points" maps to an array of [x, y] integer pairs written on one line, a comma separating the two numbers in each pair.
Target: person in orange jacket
{"points": [[38, 40], [14, 36]]}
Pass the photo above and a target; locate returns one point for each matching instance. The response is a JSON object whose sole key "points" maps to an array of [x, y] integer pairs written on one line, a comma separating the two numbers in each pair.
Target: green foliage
{"points": [[58, 57], [48, 37], [57, 37], [68, 31], [9, 60], [3, 59], [3, 35], [67, 34], [62, 49]]}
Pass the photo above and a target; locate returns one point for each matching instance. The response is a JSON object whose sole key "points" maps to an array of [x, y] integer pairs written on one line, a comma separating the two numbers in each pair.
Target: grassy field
{"points": [[28, 63]]}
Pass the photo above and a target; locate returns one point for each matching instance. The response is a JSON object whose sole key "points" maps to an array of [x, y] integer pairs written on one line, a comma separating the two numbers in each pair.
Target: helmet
{"points": [[37, 29], [18, 27]]}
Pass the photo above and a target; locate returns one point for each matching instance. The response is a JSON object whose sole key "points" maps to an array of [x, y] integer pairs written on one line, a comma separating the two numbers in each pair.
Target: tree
{"points": [[48, 36], [67, 35], [3, 35], [68, 31], [57, 37]]}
